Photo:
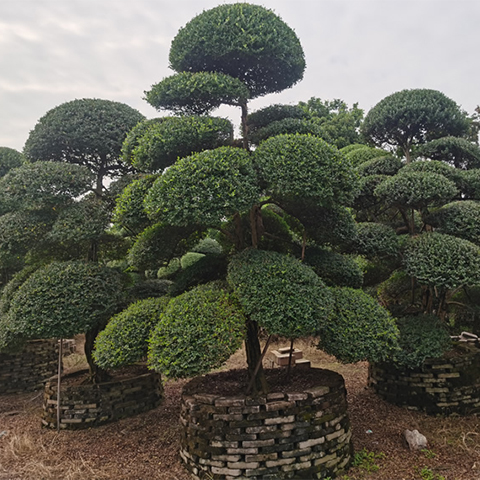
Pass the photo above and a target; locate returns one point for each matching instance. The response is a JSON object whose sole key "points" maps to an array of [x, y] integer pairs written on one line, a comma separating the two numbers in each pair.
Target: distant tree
{"points": [[412, 117], [332, 121], [87, 132], [9, 158]]}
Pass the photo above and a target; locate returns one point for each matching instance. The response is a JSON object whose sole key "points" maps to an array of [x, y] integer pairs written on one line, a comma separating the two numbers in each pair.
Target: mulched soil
{"points": [[145, 447]]}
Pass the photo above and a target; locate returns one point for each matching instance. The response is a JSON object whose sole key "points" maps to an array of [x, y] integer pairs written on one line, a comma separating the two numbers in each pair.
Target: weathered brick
{"points": [[279, 462], [280, 420]]}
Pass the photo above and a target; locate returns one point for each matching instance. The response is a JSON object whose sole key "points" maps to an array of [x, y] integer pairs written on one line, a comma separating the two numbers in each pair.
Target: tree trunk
{"points": [[244, 107], [97, 374], [254, 359]]}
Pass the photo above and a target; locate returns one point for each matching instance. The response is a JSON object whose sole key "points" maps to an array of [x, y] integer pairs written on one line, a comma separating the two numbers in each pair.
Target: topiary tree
{"points": [[245, 51], [290, 195], [63, 299], [442, 263], [87, 132], [413, 117]]}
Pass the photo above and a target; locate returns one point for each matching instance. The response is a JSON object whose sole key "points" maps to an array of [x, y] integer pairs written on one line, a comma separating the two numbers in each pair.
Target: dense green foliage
{"points": [[443, 261], [63, 299], [287, 126], [362, 153], [412, 117], [9, 158], [358, 328], [205, 188], [124, 340], [375, 239], [387, 165], [247, 42], [157, 245], [416, 190], [87, 132], [456, 151], [154, 145], [339, 123], [129, 213], [421, 337], [273, 113], [197, 93], [334, 269], [198, 331], [280, 293], [461, 219], [71, 225], [43, 185], [305, 167]]}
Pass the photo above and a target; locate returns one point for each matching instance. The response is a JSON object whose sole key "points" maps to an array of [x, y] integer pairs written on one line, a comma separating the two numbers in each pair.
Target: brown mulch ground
{"points": [[146, 447]]}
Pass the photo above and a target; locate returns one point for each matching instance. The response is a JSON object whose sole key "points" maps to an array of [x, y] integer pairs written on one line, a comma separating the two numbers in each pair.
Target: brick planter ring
{"points": [[84, 406], [29, 368], [274, 436], [445, 386]]}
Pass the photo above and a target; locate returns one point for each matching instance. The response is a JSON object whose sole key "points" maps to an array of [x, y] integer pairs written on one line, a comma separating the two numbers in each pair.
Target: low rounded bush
{"points": [[421, 337], [125, 338], [207, 246], [198, 331], [358, 328]]}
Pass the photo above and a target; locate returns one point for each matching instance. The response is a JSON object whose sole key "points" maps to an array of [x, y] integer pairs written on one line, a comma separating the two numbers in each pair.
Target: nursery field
{"points": [[146, 447]]}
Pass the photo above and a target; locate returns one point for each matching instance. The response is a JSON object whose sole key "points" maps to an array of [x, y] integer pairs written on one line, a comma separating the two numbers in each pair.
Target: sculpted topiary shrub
{"points": [[63, 299], [358, 329], [124, 340], [421, 337], [198, 331]]}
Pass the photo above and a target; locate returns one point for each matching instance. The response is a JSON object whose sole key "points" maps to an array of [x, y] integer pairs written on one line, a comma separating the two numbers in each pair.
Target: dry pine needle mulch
{"points": [[145, 447]]}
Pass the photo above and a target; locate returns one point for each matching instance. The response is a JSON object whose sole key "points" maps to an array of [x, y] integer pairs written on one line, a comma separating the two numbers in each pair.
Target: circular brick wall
{"points": [[449, 385], [29, 368], [302, 434], [84, 406]]}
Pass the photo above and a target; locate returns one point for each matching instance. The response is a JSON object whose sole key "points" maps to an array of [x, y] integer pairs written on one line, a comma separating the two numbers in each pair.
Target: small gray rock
{"points": [[415, 440]]}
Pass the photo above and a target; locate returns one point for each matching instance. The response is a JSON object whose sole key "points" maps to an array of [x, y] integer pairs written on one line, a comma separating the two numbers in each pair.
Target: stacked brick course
{"points": [[441, 386], [272, 436], [84, 406], [29, 368]]}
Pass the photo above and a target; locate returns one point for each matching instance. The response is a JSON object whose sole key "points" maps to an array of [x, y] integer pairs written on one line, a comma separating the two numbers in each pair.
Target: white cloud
{"points": [[359, 50]]}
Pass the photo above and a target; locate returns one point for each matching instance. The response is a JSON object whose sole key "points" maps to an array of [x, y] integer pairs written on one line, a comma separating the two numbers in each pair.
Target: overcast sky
{"points": [[54, 51]]}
